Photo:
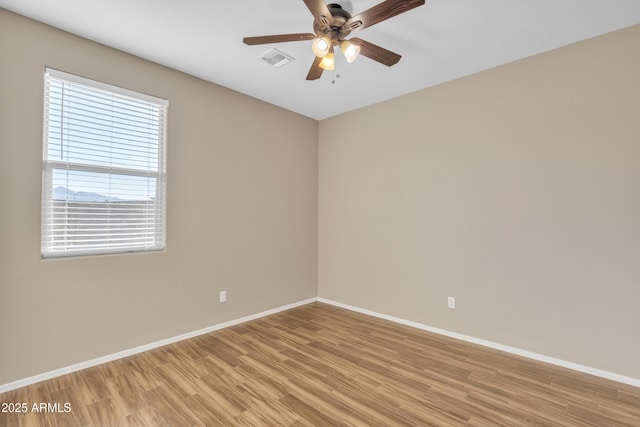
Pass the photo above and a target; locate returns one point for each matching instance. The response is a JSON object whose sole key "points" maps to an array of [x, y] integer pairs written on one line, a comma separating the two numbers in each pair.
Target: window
{"points": [[103, 170]]}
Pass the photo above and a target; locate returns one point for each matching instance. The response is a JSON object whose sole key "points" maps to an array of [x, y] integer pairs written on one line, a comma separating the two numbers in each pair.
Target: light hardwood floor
{"points": [[322, 365]]}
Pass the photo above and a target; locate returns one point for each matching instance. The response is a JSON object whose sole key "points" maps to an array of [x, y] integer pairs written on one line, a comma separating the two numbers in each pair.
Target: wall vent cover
{"points": [[276, 58]]}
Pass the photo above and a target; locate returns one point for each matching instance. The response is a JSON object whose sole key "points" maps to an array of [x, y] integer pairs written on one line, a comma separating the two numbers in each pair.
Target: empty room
{"points": [[368, 213]]}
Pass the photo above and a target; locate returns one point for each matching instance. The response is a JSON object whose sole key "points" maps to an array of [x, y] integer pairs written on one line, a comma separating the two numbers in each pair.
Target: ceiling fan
{"points": [[332, 24]]}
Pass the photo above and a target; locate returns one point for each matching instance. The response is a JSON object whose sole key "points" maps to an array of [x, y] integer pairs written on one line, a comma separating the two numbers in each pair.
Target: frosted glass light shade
{"points": [[321, 46], [350, 51], [328, 62]]}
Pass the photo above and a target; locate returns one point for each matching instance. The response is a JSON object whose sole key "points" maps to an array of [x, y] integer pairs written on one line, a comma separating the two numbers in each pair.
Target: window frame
{"points": [[158, 201]]}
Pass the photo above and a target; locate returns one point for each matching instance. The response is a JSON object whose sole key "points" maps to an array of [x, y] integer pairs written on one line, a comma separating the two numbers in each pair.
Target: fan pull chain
{"points": [[335, 76]]}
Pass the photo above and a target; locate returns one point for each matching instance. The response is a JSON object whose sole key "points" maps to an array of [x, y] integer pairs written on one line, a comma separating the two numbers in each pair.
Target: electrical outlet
{"points": [[451, 302], [223, 296]]}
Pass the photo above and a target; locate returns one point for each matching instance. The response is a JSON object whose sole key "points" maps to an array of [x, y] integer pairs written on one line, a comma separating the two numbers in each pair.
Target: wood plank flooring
{"points": [[320, 365]]}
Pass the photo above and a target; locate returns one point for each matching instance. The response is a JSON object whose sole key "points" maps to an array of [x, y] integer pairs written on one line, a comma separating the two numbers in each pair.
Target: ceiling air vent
{"points": [[276, 58]]}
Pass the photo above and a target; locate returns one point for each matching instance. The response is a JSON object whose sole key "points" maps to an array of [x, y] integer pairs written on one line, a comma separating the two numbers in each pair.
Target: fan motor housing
{"points": [[335, 31], [337, 11]]}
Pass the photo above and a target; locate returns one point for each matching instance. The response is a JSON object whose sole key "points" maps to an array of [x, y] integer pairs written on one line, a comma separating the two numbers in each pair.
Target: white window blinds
{"points": [[103, 168]]}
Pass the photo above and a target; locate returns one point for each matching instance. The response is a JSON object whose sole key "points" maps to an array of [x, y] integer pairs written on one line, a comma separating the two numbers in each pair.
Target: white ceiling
{"points": [[440, 41]]}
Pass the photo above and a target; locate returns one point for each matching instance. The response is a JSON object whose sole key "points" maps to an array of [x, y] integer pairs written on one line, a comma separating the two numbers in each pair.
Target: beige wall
{"points": [[242, 210], [515, 190]]}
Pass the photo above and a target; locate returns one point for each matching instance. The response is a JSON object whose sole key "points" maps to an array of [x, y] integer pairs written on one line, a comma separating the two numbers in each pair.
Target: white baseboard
{"points": [[125, 353], [528, 354], [130, 352]]}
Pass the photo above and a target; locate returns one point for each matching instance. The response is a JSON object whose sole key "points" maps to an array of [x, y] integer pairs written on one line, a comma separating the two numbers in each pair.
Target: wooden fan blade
{"points": [[381, 12], [376, 52], [321, 12], [279, 38], [315, 71]]}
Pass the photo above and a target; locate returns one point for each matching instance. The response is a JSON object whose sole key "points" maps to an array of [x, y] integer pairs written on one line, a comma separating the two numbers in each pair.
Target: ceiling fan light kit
{"points": [[332, 24]]}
